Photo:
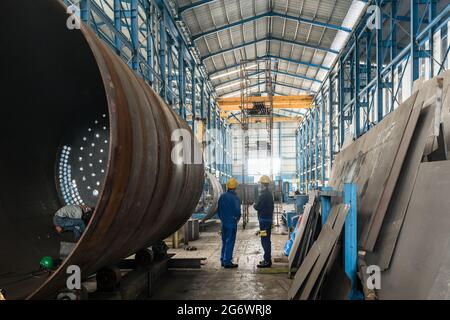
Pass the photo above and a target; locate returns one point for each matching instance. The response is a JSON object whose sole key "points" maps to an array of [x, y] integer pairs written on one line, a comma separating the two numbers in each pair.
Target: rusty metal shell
{"points": [[145, 195]]}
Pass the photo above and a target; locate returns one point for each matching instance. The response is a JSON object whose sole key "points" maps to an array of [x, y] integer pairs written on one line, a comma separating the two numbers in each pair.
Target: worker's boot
{"points": [[231, 266], [264, 264]]}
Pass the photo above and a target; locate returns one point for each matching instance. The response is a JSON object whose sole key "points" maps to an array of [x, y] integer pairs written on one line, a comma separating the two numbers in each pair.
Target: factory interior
{"points": [[225, 150]]}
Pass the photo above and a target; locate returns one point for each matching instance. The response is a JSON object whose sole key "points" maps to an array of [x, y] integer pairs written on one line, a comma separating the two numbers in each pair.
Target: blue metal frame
{"points": [[270, 14], [145, 35], [274, 57], [350, 248], [274, 83], [353, 96], [269, 38], [283, 73]]}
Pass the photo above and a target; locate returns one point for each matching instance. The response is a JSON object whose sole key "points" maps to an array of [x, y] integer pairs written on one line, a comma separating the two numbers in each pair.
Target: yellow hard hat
{"points": [[264, 180], [232, 183]]}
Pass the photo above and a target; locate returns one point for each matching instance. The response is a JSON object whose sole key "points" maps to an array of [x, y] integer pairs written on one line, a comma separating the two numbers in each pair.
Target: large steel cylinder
{"points": [[209, 201], [79, 126]]}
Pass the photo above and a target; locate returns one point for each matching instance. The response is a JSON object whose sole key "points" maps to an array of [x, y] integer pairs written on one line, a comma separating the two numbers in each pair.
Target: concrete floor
{"points": [[215, 283]]}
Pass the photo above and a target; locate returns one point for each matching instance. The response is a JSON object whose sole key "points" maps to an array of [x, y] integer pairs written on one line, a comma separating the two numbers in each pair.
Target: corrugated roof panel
{"points": [[217, 11], [328, 37], [283, 5], [232, 13], [291, 29], [311, 73], [219, 61], [202, 47], [223, 12], [275, 46], [248, 9], [209, 65], [308, 10], [231, 36], [317, 58], [277, 26], [315, 36], [212, 44]]}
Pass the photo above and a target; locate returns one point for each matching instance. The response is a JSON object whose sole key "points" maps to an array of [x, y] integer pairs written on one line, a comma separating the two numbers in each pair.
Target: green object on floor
{"points": [[46, 263], [273, 270]]}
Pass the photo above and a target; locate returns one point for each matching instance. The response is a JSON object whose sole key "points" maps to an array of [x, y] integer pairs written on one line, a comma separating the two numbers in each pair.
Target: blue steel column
{"points": [[431, 16], [117, 25], [323, 151], [369, 78], [193, 98], [357, 88], [162, 54], [169, 87], [393, 51], [311, 152], [379, 57], [350, 236], [316, 151], [325, 203], [181, 82], [414, 54], [330, 118], [304, 155], [135, 34], [302, 159], [202, 100], [149, 26], [341, 103], [208, 135], [85, 9]]}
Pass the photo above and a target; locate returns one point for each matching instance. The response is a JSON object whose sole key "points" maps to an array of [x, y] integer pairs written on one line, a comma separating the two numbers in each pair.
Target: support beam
{"points": [[134, 34], [264, 120], [264, 57], [279, 102], [117, 25], [162, 56], [193, 5], [285, 41], [270, 15], [284, 73], [415, 24], [85, 11], [273, 83]]}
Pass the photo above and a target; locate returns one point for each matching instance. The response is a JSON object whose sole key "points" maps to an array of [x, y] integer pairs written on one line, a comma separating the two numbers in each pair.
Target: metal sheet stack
{"points": [[401, 169]]}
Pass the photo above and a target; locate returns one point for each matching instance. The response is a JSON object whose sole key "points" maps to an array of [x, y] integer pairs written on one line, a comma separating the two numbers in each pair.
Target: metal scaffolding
{"points": [[253, 108], [374, 72]]}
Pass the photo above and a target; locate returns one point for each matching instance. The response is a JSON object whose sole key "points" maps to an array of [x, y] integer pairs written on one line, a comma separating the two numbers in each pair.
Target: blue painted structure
{"points": [[144, 33], [350, 250], [367, 79]]}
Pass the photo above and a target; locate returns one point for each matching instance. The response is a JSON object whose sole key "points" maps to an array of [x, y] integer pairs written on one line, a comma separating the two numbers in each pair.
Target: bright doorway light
{"points": [[261, 166]]}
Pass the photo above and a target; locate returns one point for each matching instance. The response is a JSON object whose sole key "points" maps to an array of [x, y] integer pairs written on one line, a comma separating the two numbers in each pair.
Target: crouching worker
{"points": [[229, 211], [70, 218], [265, 206]]}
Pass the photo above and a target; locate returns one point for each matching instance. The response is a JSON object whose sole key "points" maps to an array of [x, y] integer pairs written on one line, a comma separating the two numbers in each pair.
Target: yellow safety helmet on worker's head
{"points": [[232, 184], [264, 180]]}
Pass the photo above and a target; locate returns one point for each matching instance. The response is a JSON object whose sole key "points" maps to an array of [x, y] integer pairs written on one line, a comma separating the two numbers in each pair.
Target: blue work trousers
{"points": [[77, 226], [229, 230], [266, 225]]}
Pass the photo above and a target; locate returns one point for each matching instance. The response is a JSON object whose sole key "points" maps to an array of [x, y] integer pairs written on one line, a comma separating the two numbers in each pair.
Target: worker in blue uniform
{"points": [[264, 206], [229, 211]]}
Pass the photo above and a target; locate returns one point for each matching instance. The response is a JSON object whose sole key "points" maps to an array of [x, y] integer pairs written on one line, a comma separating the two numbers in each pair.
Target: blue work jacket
{"points": [[264, 205], [229, 207]]}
